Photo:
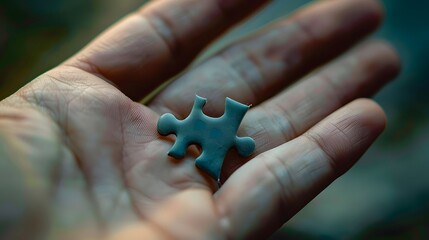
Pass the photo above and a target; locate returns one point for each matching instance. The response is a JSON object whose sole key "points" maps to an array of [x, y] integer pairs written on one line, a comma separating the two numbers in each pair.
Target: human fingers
{"points": [[151, 45], [254, 69], [270, 189], [359, 73]]}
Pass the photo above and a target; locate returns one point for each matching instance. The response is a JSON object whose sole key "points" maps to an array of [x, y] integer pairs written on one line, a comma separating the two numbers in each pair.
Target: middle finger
{"points": [[254, 69]]}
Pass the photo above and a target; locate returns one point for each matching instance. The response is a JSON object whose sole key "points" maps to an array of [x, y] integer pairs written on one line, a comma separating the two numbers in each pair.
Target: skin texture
{"points": [[82, 160]]}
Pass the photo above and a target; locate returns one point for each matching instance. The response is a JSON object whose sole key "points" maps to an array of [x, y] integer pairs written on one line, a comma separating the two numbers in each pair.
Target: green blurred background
{"points": [[386, 196]]}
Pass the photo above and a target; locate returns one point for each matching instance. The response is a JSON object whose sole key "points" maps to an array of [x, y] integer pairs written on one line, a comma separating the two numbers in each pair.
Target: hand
{"points": [[82, 160]]}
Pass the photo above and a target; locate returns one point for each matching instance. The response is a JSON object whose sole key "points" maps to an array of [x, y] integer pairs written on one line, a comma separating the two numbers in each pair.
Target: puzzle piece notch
{"points": [[215, 135]]}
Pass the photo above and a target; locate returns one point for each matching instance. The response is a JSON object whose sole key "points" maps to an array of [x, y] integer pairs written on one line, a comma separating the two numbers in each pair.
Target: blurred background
{"points": [[386, 196]]}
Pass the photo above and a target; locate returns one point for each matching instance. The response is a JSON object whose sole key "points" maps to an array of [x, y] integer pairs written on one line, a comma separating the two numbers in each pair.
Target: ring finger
{"points": [[359, 73]]}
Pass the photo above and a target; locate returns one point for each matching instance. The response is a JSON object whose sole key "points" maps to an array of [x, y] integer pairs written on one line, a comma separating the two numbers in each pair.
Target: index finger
{"points": [[153, 44]]}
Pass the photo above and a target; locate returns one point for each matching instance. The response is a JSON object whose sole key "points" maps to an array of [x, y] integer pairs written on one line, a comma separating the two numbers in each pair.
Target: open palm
{"points": [[86, 160]]}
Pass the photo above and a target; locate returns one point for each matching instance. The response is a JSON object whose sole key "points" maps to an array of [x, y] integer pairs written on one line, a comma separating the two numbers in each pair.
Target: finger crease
{"points": [[172, 42], [324, 76], [288, 130], [318, 141], [282, 186], [251, 89]]}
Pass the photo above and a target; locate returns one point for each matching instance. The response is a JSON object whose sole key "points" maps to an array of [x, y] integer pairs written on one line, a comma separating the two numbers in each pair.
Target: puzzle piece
{"points": [[215, 135]]}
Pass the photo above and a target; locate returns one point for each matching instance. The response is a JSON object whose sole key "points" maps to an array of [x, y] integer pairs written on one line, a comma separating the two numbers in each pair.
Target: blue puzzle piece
{"points": [[215, 135]]}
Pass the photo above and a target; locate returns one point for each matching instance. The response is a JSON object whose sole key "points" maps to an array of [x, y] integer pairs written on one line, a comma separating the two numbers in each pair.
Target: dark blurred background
{"points": [[386, 196]]}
